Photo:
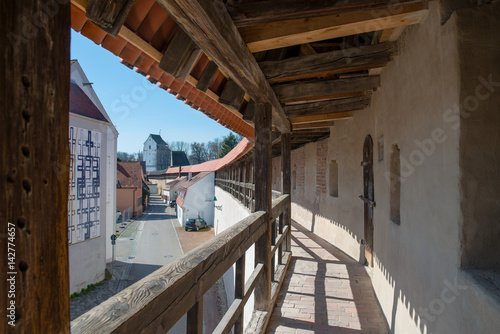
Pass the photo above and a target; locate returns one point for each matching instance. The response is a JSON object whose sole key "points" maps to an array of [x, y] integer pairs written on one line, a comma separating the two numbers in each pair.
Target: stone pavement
{"points": [[325, 291]]}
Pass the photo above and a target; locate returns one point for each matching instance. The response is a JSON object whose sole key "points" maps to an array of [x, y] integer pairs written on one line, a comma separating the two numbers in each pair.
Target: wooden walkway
{"points": [[325, 291]]}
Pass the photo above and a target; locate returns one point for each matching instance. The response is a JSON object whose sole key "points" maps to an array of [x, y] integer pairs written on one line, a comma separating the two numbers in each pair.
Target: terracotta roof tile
{"points": [[240, 150], [138, 12], [129, 174], [93, 32], [152, 22], [114, 44], [80, 104], [78, 18]]}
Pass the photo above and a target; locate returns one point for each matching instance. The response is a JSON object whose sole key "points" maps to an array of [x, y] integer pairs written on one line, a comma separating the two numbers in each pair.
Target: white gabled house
{"points": [[92, 187], [196, 198]]}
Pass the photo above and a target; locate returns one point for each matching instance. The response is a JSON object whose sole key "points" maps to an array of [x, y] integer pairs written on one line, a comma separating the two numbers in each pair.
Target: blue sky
{"points": [[137, 107]]}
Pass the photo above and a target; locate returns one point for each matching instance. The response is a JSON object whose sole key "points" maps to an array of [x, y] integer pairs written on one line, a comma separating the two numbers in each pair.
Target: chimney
{"points": [[179, 171], [190, 176]]}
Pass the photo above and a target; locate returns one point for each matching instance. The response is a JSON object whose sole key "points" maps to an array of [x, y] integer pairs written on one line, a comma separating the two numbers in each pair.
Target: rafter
{"points": [[324, 89], [315, 125], [279, 33], [328, 63], [249, 14], [210, 26], [321, 118], [328, 106]]}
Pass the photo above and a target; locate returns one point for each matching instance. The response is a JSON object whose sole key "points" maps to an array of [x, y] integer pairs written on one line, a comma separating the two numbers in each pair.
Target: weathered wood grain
{"points": [[158, 301], [302, 30], [286, 184], [328, 106], [328, 63], [326, 89], [263, 199], [248, 14], [232, 95], [210, 26], [207, 76], [34, 160], [180, 56], [109, 15], [194, 319]]}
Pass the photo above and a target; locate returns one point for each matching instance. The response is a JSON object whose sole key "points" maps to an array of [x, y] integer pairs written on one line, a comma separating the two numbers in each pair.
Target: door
{"points": [[368, 197]]}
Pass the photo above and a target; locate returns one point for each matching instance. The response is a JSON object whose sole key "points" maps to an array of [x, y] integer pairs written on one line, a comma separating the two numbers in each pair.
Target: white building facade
{"points": [[156, 153], [92, 194]]}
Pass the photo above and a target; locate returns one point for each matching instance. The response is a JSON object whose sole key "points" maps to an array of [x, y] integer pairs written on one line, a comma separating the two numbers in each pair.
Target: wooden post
{"points": [[286, 185], [263, 200], [239, 291], [34, 161], [195, 318]]}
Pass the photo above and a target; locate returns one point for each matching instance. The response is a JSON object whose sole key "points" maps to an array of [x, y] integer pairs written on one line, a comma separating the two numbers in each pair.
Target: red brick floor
{"points": [[325, 291]]}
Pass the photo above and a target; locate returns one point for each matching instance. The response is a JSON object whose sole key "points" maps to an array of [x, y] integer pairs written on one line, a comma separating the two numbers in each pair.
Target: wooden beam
{"points": [[316, 125], [320, 118], [109, 15], [210, 26], [34, 162], [281, 34], [327, 106], [387, 35], [286, 188], [248, 14], [324, 89], [232, 95], [328, 63], [180, 56], [155, 303], [263, 200], [194, 319], [317, 131], [249, 111], [207, 76], [307, 49]]}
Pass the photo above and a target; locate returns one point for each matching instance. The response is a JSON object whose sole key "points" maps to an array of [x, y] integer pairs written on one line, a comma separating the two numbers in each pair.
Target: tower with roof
{"points": [[156, 153]]}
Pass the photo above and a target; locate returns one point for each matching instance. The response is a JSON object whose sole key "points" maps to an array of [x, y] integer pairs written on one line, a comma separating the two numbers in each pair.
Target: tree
{"points": [[229, 142], [199, 153], [180, 146], [140, 156], [214, 148], [124, 156]]}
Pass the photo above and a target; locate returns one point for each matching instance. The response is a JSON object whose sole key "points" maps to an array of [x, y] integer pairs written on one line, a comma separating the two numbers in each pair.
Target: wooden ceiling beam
{"points": [[181, 56], [328, 63], [109, 15], [279, 33], [320, 118], [328, 106], [324, 89], [210, 26], [316, 125]]}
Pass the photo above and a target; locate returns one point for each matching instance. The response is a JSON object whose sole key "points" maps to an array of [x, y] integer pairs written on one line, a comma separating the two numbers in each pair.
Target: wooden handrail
{"points": [[158, 301]]}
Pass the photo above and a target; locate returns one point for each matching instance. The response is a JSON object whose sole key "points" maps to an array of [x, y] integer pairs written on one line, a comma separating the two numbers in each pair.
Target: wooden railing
{"points": [[242, 191], [158, 301]]}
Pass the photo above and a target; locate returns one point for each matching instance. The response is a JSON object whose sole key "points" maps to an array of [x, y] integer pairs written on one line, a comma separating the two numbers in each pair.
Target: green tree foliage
{"points": [[228, 143]]}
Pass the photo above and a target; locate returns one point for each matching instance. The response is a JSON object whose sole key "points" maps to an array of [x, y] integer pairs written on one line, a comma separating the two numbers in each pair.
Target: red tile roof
{"points": [[80, 104], [129, 174], [240, 150], [183, 189], [151, 22]]}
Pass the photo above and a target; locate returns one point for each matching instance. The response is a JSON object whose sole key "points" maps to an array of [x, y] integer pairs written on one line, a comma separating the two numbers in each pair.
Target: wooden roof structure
{"points": [[315, 62]]}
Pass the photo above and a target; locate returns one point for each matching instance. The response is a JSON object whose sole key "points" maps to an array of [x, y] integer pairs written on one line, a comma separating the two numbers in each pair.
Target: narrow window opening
{"points": [[395, 190], [294, 177], [334, 179]]}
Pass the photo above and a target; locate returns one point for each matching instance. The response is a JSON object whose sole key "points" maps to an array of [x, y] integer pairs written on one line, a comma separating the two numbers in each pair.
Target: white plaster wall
{"points": [[199, 199], [149, 154], [417, 263], [87, 259], [78, 76], [232, 212]]}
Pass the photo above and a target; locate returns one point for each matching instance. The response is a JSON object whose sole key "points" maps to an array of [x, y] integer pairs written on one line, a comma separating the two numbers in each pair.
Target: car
{"points": [[172, 203], [195, 224]]}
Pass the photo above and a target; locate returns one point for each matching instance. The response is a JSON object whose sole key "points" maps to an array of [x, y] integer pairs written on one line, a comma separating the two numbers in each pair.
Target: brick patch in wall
{"points": [[321, 154]]}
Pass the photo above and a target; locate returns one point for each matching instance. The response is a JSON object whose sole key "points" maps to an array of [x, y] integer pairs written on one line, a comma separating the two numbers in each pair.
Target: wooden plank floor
{"points": [[325, 291]]}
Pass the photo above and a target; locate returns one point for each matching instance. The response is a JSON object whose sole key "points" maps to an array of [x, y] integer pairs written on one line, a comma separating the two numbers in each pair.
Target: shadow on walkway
{"points": [[325, 291]]}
